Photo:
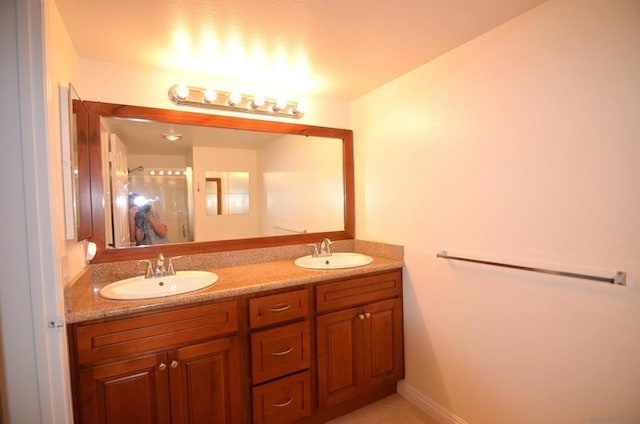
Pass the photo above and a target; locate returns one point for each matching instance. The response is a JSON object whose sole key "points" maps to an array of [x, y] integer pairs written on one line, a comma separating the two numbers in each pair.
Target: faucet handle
{"points": [[315, 249], [149, 272], [170, 270], [160, 259]]}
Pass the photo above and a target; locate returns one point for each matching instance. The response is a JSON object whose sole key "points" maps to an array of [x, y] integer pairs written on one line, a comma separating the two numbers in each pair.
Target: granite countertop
{"points": [[83, 301]]}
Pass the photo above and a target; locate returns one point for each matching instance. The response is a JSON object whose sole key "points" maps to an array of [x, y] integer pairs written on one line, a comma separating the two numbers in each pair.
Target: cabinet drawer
{"points": [[282, 401], [278, 308], [358, 291], [145, 333], [280, 351]]}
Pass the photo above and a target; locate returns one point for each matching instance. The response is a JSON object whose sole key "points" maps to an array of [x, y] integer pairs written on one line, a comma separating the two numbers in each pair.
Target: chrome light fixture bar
{"points": [[225, 100]]}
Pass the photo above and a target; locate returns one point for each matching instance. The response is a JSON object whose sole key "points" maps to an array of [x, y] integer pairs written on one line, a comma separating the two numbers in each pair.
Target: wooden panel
{"points": [[358, 291], [280, 351], [282, 401], [277, 308], [127, 336], [127, 392], [206, 383], [383, 341], [339, 356]]}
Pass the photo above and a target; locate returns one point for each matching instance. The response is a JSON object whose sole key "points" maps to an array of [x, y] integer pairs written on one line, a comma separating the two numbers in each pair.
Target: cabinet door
{"points": [[383, 341], [135, 391], [205, 383], [339, 356]]}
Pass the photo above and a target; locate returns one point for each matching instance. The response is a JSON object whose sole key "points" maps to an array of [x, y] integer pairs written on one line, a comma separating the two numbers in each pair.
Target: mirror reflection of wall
{"points": [[234, 168], [227, 193]]}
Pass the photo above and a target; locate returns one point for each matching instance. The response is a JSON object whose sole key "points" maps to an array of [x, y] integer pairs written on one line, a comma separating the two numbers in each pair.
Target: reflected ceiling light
{"points": [[172, 137], [202, 97]]}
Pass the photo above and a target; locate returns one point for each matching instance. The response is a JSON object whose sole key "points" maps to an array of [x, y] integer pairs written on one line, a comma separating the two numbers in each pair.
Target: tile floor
{"points": [[392, 409]]}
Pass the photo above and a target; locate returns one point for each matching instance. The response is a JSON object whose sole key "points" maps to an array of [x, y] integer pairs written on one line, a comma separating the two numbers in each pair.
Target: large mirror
{"points": [[225, 184]]}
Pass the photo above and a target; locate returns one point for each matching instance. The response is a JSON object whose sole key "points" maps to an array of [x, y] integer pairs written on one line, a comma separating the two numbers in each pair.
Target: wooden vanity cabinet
{"points": [[359, 339], [301, 355], [280, 357], [177, 366]]}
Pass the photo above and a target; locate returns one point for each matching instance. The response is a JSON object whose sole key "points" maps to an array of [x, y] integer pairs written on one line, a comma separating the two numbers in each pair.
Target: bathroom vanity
{"points": [[268, 343]]}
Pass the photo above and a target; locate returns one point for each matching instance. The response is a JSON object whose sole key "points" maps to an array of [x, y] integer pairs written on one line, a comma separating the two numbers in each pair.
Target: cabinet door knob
{"points": [[162, 366], [174, 364], [283, 404], [361, 316], [284, 352], [278, 308], [367, 315]]}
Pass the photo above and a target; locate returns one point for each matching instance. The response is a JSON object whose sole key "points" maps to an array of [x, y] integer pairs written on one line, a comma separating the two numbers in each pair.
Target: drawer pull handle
{"points": [[280, 308], [162, 366], [174, 364], [284, 352], [361, 316], [283, 404], [367, 315]]}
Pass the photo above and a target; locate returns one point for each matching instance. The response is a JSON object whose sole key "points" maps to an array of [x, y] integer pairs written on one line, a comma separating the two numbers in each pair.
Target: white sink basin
{"points": [[337, 260], [149, 288]]}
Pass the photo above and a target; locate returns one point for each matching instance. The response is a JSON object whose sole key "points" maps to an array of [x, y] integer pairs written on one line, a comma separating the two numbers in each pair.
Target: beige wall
{"points": [[62, 69], [520, 145]]}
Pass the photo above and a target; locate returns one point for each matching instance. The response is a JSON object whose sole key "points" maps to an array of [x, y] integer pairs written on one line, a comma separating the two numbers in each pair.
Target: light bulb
{"points": [[169, 172], [152, 172], [210, 96], [160, 172], [234, 98], [300, 108], [280, 104], [182, 92], [178, 172], [257, 102]]}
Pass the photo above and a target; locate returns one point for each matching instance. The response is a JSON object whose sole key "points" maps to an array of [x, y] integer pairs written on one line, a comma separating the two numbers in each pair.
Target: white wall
{"points": [[520, 145], [288, 167]]}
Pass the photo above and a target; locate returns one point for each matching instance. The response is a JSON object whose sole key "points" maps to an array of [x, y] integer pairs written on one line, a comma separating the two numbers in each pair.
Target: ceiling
{"points": [[337, 48], [144, 137]]}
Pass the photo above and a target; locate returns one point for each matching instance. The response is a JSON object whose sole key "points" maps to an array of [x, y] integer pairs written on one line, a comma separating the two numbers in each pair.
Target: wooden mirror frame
{"points": [[97, 110]]}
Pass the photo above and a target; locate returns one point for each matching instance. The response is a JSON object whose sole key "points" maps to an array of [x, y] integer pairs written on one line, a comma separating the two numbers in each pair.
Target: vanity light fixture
{"points": [[217, 99], [167, 172]]}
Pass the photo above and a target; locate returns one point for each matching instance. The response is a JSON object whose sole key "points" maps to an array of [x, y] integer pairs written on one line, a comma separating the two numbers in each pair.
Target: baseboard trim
{"points": [[428, 405]]}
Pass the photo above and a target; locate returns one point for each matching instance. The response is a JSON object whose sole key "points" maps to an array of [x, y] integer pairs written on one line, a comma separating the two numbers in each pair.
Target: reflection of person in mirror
{"points": [[145, 225]]}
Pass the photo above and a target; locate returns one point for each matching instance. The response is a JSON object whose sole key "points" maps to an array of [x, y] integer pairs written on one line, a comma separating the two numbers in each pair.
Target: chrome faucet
{"points": [[159, 270], [324, 247]]}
